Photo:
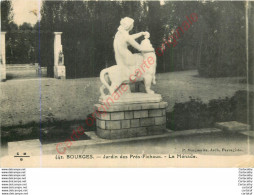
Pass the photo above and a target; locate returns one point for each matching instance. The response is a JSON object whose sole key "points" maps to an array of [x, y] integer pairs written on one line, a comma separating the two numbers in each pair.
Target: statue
{"points": [[60, 58], [119, 108], [130, 67]]}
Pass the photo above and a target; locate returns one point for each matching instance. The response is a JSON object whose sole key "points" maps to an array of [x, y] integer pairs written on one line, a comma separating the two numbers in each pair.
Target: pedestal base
{"points": [[59, 72], [2, 73], [131, 120], [132, 98]]}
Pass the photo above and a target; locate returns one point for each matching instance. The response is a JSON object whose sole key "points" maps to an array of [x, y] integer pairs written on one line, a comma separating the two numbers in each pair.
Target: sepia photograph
{"points": [[127, 83]]}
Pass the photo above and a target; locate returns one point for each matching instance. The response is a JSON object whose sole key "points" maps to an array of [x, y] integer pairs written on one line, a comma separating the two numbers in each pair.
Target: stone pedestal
{"points": [[131, 120], [2, 58], [131, 98], [3, 72], [59, 68], [59, 72]]}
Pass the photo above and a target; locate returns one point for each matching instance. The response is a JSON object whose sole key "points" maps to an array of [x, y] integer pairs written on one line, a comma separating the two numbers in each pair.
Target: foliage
{"points": [[25, 26], [195, 114], [89, 28], [215, 44], [224, 48], [88, 32], [189, 115], [6, 15], [22, 44]]}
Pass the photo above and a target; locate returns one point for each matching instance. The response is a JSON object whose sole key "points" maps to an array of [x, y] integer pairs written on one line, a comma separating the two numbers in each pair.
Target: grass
{"points": [[30, 101]]}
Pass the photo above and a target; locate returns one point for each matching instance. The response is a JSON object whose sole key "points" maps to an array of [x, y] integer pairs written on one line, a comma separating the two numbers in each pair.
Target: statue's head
{"points": [[127, 23]]}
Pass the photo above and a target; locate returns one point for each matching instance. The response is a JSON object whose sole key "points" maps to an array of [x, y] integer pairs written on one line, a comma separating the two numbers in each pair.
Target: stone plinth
{"points": [[232, 126], [59, 72], [59, 68], [2, 72], [131, 120], [132, 98], [3, 58], [57, 47]]}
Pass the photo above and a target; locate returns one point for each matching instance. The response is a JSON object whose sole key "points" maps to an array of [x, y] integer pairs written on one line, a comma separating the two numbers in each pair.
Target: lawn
{"points": [[73, 99]]}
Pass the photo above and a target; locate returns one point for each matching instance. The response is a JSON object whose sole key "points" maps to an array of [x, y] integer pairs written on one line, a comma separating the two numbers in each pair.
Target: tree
{"points": [[88, 32], [6, 15], [21, 44], [224, 46], [89, 27], [25, 26]]}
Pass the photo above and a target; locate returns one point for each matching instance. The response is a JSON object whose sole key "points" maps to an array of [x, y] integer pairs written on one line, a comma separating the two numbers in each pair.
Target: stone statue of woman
{"points": [[127, 62], [124, 57]]}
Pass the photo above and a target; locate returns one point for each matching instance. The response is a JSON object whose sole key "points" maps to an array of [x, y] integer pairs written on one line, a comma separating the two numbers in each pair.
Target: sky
{"points": [[22, 11]]}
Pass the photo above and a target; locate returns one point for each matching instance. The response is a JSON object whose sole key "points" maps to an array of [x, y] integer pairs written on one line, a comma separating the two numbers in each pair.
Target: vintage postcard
{"points": [[127, 83]]}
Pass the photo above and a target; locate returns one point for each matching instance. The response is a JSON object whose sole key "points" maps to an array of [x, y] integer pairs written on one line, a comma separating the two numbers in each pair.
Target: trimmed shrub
{"points": [[195, 114], [189, 115]]}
